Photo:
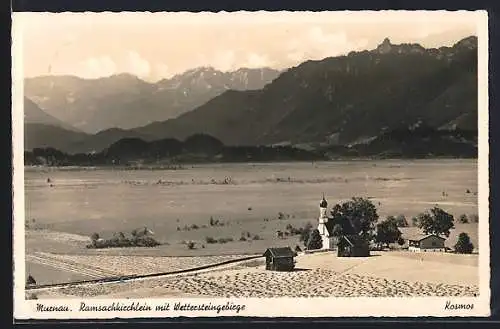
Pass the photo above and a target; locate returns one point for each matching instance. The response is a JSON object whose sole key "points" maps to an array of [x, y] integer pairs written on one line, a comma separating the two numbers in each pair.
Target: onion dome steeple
{"points": [[323, 203]]}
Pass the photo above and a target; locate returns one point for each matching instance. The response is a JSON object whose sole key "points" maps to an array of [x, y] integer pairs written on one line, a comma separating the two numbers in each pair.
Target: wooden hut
{"points": [[280, 259], [353, 246], [422, 242]]}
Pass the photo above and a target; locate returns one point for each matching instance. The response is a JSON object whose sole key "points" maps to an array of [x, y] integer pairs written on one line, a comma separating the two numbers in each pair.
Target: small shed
{"points": [[426, 242], [280, 259], [353, 246]]}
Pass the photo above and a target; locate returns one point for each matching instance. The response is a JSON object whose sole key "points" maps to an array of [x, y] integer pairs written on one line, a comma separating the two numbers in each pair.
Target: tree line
{"points": [[359, 216]]}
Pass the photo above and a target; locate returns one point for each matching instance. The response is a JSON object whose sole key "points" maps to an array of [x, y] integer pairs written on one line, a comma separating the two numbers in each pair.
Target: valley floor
{"points": [[384, 274]]}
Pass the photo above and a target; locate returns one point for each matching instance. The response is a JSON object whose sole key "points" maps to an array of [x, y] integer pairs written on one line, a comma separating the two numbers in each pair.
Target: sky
{"points": [[153, 46]]}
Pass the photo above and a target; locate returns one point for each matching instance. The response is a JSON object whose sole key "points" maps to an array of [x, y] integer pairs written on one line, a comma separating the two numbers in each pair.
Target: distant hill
{"points": [[196, 148], [344, 100], [34, 115], [44, 135], [125, 101]]}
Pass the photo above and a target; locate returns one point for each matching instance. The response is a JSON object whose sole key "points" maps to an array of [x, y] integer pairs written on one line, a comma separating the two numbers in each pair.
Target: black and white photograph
{"points": [[244, 163]]}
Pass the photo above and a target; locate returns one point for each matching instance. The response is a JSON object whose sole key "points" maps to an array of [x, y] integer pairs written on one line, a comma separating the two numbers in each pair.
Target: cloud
{"points": [[222, 60], [161, 71], [96, 67], [316, 44], [254, 60], [137, 65]]}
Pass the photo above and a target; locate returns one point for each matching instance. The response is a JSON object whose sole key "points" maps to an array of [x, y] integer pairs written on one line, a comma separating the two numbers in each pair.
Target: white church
{"points": [[329, 242]]}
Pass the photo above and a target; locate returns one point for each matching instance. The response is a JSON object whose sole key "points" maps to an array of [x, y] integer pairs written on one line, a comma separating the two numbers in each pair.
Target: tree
{"points": [[401, 241], [94, 237], [463, 219], [305, 233], [337, 230], [314, 241], [463, 245], [401, 221], [387, 231], [30, 280], [356, 217], [436, 221]]}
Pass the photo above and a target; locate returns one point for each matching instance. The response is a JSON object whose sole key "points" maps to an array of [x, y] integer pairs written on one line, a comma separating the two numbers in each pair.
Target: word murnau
{"points": [[450, 306], [51, 308]]}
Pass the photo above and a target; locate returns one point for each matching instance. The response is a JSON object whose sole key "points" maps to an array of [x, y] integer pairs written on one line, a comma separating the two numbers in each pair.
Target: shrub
{"points": [[190, 245], [474, 218], [463, 245], [401, 241], [194, 227], [297, 248], [94, 236], [243, 238], [281, 215], [30, 280], [463, 219], [256, 237], [209, 239]]}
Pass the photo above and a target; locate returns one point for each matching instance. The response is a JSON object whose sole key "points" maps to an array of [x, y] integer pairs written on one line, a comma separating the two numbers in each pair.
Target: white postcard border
{"points": [[262, 307]]}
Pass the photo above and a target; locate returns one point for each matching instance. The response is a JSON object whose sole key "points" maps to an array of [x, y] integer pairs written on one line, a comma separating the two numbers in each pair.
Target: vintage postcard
{"points": [[250, 164]]}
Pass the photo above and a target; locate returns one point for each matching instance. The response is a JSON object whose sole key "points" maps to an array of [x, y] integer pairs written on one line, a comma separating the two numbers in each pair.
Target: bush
{"points": [[190, 245], [401, 241], [297, 248], [225, 240], [209, 239], [30, 280], [256, 237], [194, 227], [463, 245], [474, 218], [119, 240], [463, 219], [243, 238]]}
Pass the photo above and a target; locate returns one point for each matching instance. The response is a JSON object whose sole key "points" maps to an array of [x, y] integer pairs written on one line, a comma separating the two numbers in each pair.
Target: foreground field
{"points": [[317, 275]]}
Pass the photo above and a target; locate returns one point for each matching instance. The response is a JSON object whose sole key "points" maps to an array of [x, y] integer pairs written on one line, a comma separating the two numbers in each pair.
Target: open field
{"points": [[389, 274], [168, 202]]}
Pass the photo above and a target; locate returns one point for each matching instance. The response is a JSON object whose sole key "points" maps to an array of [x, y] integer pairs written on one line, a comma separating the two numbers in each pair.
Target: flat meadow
{"points": [[250, 200]]}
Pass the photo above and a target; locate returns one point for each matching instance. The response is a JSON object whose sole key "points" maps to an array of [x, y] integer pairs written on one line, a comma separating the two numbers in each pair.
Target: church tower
{"points": [[323, 219]]}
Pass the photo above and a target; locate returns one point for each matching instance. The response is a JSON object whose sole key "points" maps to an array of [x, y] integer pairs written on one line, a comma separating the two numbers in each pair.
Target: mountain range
{"points": [[125, 101], [343, 101]]}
